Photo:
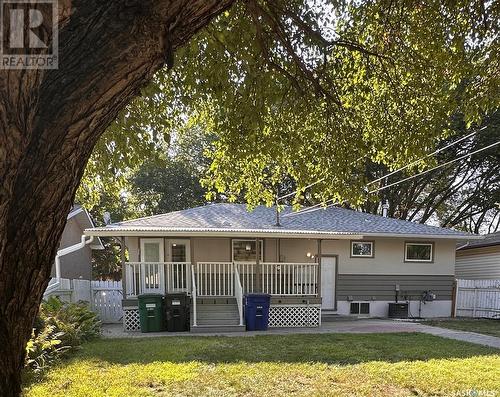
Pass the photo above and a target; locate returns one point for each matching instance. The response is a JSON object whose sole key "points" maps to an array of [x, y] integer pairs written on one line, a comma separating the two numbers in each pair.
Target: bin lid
{"points": [[142, 296], [256, 295]]}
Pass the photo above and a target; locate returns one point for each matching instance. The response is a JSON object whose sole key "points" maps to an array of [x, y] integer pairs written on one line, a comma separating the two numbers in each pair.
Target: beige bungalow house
{"points": [[314, 264]]}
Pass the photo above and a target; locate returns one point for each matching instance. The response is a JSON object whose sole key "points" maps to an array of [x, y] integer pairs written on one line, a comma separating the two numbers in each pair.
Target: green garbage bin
{"points": [[151, 312]]}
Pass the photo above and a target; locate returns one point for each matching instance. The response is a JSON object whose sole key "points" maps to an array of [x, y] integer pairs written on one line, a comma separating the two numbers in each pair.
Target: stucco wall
{"points": [[389, 258]]}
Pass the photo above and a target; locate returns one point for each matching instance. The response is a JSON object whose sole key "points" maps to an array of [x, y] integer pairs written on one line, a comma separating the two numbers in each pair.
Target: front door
{"points": [[328, 270], [179, 269]]}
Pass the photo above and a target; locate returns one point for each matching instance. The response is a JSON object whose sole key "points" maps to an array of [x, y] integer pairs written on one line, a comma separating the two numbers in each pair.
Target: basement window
{"points": [[360, 308]]}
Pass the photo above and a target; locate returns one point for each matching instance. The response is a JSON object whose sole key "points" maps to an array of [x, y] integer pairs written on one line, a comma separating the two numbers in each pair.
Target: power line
{"points": [[427, 156], [313, 208], [314, 183], [435, 168]]}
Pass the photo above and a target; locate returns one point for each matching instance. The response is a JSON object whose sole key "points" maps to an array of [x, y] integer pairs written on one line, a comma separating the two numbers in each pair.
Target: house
{"points": [[324, 261], [74, 257], [479, 259]]}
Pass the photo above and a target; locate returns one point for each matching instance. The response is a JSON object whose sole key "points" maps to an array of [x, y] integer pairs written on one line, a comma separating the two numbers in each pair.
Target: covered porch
{"points": [[295, 287]]}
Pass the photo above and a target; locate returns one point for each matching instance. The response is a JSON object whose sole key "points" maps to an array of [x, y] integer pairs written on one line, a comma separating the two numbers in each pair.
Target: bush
{"points": [[59, 328]]}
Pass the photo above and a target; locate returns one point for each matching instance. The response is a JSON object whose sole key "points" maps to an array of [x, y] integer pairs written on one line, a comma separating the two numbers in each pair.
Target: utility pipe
{"points": [[69, 250]]}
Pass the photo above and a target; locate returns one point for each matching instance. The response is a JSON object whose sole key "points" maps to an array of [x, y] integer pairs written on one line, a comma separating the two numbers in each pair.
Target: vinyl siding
{"points": [[478, 263], [383, 287]]}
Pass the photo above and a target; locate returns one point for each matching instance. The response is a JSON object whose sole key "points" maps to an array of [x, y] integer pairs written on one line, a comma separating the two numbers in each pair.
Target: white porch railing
{"points": [[290, 278], [238, 293], [219, 278], [157, 277], [193, 296], [215, 278]]}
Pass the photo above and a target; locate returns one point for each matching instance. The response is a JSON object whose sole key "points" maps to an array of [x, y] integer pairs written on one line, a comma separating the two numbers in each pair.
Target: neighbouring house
{"points": [[479, 259], [326, 262], [74, 257]]}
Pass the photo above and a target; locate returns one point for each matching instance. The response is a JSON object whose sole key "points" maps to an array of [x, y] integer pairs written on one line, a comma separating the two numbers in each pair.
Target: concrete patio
{"points": [[338, 326]]}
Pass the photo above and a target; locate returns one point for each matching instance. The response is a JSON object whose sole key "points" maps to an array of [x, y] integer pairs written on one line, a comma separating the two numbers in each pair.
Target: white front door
{"points": [[152, 273], [328, 270]]}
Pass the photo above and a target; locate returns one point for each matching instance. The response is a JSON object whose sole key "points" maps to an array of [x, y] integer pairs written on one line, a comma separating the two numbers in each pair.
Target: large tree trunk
{"points": [[49, 122]]}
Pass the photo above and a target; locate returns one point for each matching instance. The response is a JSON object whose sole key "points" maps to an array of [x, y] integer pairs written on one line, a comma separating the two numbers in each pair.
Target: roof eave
{"points": [[156, 232]]}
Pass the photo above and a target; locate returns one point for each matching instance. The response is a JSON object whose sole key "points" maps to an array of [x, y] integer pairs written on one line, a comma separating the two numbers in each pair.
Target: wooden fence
{"points": [[104, 297], [477, 298]]}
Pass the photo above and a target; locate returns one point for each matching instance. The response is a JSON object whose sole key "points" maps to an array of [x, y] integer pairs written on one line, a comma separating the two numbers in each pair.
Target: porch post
{"points": [[319, 268], [258, 285], [124, 272]]}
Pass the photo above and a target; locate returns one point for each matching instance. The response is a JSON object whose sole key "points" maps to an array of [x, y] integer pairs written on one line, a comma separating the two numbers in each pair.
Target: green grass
{"points": [[291, 365], [482, 326]]}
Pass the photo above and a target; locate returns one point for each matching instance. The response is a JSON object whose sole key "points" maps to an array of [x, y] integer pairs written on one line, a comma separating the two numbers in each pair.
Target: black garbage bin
{"points": [[257, 311], [177, 312]]}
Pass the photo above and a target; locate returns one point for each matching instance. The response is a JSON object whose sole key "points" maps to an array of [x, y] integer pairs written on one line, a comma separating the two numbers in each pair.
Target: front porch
{"points": [[217, 290]]}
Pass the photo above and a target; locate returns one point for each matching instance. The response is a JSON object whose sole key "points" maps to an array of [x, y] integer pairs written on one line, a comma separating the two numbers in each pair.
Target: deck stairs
{"points": [[216, 315]]}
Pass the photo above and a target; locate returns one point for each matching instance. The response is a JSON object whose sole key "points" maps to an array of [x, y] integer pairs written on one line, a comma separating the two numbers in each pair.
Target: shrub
{"points": [[59, 328]]}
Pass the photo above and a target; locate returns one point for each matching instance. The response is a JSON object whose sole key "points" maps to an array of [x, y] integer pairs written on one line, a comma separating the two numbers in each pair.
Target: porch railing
{"points": [[157, 277], [215, 278], [238, 293], [219, 278], [290, 278]]}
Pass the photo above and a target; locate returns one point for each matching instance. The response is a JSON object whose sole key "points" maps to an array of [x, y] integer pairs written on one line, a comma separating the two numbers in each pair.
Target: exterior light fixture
{"points": [[248, 247], [308, 254]]}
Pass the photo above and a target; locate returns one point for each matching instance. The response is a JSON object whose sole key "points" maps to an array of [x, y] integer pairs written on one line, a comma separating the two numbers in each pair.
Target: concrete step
{"points": [[217, 328], [218, 321]]}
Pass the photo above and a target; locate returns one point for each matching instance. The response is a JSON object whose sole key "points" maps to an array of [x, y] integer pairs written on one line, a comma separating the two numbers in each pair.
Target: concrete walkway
{"points": [[339, 326]]}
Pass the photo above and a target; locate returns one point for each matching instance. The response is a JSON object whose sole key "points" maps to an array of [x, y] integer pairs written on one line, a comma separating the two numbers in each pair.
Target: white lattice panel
{"points": [[131, 319], [294, 316]]}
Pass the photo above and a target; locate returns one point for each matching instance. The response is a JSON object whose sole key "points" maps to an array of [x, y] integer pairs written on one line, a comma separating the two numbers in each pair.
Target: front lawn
{"points": [[291, 365], [479, 325]]}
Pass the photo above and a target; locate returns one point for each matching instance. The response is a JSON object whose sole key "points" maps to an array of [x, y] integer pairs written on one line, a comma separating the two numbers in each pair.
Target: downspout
{"points": [[69, 250]]}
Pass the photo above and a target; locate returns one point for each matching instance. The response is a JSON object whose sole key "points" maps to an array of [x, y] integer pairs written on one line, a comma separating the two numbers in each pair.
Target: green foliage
{"points": [[59, 327], [305, 91]]}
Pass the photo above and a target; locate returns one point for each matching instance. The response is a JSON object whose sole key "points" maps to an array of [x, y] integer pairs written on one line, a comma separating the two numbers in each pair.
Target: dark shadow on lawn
{"points": [[325, 348]]}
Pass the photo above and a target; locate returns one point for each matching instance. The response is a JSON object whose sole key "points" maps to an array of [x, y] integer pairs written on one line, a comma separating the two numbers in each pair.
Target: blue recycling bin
{"points": [[257, 311]]}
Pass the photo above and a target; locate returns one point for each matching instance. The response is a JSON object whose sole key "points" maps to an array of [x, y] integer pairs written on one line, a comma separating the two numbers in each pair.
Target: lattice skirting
{"points": [[295, 316], [131, 319]]}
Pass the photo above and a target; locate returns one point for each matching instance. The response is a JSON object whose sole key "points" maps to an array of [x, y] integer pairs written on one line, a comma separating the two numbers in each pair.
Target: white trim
{"points": [[261, 246], [161, 248], [372, 253], [431, 259], [194, 232]]}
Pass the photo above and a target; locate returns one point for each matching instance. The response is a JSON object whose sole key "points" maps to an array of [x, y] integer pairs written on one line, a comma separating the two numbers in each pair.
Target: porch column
{"points": [[124, 272], [258, 285], [319, 268]]}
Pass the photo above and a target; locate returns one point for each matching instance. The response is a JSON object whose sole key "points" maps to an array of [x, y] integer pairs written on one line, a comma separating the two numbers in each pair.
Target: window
{"points": [[418, 252], [360, 308], [244, 250], [362, 249]]}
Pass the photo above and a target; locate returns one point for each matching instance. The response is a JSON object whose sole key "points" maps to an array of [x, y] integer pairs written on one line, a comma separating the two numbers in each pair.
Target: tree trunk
{"points": [[49, 122]]}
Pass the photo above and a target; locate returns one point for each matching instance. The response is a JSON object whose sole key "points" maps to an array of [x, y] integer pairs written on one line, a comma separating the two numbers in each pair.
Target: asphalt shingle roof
{"points": [[236, 217], [489, 240]]}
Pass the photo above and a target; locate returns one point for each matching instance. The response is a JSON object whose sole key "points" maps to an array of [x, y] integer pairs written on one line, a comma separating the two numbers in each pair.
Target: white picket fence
{"points": [[107, 300], [104, 297], [478, 298]]}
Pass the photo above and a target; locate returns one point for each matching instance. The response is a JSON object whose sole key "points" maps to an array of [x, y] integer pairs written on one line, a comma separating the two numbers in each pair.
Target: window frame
{"points": [[261, 246], [408, 260], [371, 242]]}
